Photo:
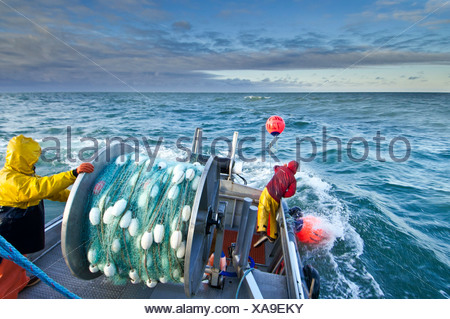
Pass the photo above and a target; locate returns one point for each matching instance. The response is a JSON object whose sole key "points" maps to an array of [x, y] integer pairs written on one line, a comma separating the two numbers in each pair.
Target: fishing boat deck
{"points": [[261, 282], [51, 261]]}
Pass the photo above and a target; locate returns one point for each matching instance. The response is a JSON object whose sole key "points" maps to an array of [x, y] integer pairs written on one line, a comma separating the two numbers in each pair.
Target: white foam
{"points": [[256, 98], [443, 293], [314, 182], [167, 154]]}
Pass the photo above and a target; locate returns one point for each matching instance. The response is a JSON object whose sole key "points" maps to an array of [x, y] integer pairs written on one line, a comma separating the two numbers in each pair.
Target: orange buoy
{"points": [[275, 125], [310, 232]]}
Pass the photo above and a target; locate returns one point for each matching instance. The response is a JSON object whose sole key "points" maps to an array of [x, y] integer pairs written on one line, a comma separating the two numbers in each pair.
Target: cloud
{"points": [[425, 13], [435, 23], [138, 43], [309, 40], [253, 41], [181, 26], [227, 13], [155, 58], [388, 3]]}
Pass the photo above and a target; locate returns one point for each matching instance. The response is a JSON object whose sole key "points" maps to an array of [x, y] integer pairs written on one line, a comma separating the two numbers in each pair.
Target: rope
{"points": [[242, 279], [9, 252]]}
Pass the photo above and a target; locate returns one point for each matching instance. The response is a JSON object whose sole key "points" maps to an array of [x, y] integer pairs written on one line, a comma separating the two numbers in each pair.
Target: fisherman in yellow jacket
{"points": [[22, 209]]}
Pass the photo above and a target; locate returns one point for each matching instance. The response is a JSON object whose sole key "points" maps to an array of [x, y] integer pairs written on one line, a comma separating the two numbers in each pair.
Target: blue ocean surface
{"points": [[374, 166]]}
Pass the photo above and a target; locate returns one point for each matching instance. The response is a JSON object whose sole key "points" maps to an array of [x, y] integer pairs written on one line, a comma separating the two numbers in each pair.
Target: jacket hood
{"points": [[22, 153], [293, 166]]}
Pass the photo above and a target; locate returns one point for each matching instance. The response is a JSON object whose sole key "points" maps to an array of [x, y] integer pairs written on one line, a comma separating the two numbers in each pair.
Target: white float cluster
{"points": [[138, 221]]}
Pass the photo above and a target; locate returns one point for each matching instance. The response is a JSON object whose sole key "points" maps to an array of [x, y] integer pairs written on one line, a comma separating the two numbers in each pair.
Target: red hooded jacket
{"points": [[283, 182]]}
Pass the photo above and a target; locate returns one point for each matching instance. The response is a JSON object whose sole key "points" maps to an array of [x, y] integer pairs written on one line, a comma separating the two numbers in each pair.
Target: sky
{"points": [[225, 46]]}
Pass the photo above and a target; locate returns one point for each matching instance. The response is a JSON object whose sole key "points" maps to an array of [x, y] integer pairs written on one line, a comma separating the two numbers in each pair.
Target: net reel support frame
{"points": [[204, 217]]}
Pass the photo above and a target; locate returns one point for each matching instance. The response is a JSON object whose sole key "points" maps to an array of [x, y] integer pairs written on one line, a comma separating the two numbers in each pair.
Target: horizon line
{"points": [[226, 92]]}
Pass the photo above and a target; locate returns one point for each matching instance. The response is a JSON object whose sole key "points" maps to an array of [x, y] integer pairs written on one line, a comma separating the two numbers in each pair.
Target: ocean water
{"points": [[385, 200]]}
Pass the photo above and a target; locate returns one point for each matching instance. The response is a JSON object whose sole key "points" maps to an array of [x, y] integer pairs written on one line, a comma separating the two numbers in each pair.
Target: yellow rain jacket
{"points": [[21, 194]]}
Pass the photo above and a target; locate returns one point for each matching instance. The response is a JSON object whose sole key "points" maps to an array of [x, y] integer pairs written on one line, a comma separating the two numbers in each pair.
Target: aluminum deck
{"points": [[52, 262]]}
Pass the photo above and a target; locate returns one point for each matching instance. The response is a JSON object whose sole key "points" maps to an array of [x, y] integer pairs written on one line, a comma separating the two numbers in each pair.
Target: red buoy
{"points": [[275, 125], [311, 233]]}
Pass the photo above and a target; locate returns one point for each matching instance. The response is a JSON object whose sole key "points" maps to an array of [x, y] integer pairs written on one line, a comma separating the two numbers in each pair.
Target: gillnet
{"points": [[139, 213]]}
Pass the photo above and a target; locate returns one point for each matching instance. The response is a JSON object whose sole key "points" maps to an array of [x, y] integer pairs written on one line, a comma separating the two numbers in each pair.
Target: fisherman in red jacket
{"points": [[282, 184]]}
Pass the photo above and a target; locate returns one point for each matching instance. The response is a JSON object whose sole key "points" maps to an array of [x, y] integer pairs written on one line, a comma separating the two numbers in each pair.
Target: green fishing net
{"points": [[139, 213]]}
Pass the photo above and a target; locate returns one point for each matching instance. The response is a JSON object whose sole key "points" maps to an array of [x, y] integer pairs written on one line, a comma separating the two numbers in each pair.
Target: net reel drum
{"points": [[201, 226]]}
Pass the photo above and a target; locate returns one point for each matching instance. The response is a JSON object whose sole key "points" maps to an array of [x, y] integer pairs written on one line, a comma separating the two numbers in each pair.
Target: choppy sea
{"points": [[375, 166]]}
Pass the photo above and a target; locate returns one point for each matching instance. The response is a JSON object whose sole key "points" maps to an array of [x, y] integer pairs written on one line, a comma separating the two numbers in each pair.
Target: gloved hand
{"points": [[84, 168], [298, 225]]}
